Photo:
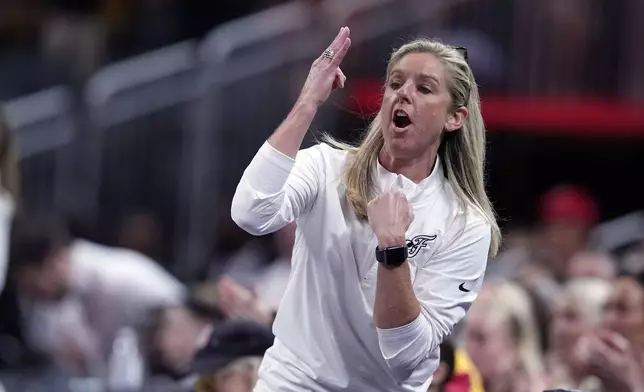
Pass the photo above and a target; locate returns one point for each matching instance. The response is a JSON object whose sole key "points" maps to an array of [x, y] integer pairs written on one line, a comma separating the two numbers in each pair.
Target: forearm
{"points": [[288, 137], [261, 203], [404, 334], [396, 303]]}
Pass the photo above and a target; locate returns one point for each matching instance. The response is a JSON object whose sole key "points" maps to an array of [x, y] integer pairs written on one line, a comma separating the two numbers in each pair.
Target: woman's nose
{"points": [[404, 93], [609, 320]]}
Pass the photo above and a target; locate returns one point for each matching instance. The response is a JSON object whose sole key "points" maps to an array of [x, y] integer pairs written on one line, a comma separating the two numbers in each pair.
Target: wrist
{"points": [[306, 104], [388, 241]]}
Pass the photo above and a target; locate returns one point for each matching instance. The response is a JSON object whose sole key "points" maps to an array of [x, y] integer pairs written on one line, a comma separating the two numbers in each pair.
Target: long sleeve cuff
{"points": [[406, 346], [269, 170]]}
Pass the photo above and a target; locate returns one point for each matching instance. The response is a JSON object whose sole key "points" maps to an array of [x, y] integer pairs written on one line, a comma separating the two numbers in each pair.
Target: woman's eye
{"points": [[395, 84], [424, 90]]}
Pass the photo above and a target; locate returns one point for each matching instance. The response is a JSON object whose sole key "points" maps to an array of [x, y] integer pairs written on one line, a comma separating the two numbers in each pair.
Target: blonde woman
{"points": [[238, 376], [577, 312], [9, 191], [502, 340], [393, 235]]}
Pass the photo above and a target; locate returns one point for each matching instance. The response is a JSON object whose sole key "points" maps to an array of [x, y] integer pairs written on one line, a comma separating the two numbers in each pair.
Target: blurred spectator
{"points": [[592, 265], [230, 360], [178, 332], [568, 214], [613, 360], [261, 269], [261, 300], [501, 325], [237, 302], [577, 312], [541, 258], [615, 356], [74, 295], [624, 312], [9, 191]]}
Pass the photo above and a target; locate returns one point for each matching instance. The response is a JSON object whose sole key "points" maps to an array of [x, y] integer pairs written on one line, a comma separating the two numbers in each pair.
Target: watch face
{"points": [[393, 256]]}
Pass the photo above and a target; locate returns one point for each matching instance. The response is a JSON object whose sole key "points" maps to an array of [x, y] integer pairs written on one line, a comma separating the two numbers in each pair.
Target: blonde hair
{"points": [[462, 152], [249, 366], [590, 295], [508, 301]]}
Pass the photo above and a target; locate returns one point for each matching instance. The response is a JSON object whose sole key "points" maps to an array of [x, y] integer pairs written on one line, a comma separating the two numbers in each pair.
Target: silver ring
{"points": [[328, 53]]}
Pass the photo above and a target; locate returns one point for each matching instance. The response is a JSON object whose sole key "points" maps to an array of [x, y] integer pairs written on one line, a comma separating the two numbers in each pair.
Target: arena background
{"points": [[135, 119]]}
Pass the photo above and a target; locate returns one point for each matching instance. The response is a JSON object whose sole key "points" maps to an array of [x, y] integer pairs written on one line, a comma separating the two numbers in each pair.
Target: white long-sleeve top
{"points": [[326, 339]]}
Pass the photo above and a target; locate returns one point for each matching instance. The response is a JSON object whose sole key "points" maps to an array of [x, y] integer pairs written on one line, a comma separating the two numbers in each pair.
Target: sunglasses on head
{"points": [[462, 51]]}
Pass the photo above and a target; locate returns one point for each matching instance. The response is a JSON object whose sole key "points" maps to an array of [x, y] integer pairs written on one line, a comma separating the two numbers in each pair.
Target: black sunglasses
{"points": [[462, 51]]}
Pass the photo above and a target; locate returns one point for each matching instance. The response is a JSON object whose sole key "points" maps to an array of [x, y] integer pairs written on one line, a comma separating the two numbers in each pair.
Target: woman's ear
{"points": [[456, 120]]}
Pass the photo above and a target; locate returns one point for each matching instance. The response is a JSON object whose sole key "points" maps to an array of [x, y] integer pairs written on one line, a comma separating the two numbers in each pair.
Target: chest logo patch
{"points": [[415, 244]]}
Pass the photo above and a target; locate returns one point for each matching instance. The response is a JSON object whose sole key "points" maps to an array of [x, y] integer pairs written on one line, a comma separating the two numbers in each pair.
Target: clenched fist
{"points": [[389, 216]]}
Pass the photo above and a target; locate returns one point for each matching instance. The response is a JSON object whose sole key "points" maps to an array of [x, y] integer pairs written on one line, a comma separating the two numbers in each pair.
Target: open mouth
{"points": [[401, 119]]}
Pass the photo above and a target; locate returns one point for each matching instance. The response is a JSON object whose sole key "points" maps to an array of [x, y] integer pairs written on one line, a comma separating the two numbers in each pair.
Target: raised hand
{"points": [[390, 216], [238, 302], [610, 357], [325, 74]]}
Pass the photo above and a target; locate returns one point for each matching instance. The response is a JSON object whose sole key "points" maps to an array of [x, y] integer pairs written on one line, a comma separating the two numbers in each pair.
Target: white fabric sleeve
{"points": [[275, 189], [445, 286]]}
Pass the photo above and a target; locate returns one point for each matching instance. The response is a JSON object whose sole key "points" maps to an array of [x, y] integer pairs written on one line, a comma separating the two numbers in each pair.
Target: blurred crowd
{"points": [[559, 309]]}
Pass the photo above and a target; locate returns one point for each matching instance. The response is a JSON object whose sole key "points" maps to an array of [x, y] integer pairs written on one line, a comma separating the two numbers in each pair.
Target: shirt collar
{"points": [[415, 193]]}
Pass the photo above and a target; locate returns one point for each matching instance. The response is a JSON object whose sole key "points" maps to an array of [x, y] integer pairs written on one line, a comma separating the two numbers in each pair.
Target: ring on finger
{"points": [[329, 53]]}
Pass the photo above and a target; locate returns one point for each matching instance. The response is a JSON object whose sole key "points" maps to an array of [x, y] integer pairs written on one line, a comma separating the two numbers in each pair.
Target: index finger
{"points": [[337, 43], [614, 341]]}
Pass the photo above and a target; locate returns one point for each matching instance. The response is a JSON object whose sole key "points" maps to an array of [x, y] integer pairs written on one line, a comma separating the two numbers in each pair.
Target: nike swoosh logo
{"points": [[462, 288]]}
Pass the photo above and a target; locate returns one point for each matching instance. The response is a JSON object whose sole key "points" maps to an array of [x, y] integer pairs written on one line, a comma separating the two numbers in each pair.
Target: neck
{"points": [[416, 169]]}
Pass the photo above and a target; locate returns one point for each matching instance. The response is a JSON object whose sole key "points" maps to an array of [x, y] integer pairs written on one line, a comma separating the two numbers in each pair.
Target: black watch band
{"points": [[393, 256]]}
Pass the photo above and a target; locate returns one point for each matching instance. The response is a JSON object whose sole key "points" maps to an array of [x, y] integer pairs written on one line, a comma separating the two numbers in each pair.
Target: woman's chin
{"points": [[397, 144]]}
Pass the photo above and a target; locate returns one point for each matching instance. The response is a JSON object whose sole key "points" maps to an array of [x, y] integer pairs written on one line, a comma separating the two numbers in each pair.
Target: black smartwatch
{"points": [[393, 256]]}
